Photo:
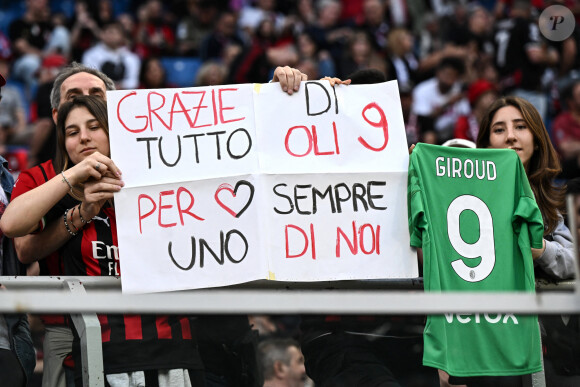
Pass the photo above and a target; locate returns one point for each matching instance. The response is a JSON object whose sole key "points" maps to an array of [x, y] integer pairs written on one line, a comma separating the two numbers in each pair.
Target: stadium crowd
{"points": [[452, 59]]}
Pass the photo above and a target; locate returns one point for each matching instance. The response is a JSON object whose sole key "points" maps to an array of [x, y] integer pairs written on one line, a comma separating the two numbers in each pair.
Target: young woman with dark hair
{"points": [[514, 123]]}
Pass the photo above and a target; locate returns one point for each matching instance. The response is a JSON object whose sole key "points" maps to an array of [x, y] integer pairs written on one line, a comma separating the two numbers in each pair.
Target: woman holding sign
{"points": [[77, 208]]}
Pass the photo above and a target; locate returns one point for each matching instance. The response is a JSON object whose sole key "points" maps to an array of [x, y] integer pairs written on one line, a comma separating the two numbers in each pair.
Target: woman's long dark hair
{"points": [[544, 164], [96, 106]]}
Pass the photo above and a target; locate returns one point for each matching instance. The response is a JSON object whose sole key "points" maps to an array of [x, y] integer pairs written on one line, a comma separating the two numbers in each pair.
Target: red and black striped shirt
{"points": [[52, 264], [130, 342]]}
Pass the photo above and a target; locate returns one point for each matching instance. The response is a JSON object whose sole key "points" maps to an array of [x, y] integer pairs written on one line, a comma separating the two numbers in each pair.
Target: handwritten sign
{"points": [[236, 183]]}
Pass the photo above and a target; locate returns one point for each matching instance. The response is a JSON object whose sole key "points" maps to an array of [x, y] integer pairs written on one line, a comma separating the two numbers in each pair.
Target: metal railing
{"points": [[83, 297]]}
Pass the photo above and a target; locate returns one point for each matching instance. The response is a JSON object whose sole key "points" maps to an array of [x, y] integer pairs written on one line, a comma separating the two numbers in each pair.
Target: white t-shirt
{"points": [[427, 98]]}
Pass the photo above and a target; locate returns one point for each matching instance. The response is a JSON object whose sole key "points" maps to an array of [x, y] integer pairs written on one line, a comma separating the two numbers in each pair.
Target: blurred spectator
{"points": [[484, 69], [569, 51], [309, 67], [85, 31], [282, 363], [481, 94], [287, 326], [433, 47], [439, 102], [566, 132], [152, 74], [399, 13], [442, 8], [308, 52], [193, 27], [479, 29], [402, 63], [263, 324], [228, 347], [417, 10], [455, 24], [128, 23], [475, 38], [305, 15], [257, 62], [252, 15], [223, 43], [102, 11], [43, 141], [12, 114], [211, 73], [154, 35], [30, 35], [60, 39], [430, 37], [350, 9], [374, 22], [360, 55], [329, 32], [521, 57], [410, 118], [112, 57]]}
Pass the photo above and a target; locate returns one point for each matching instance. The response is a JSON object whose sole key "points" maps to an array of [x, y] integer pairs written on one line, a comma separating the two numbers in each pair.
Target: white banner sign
{"points": [[230, 184]]}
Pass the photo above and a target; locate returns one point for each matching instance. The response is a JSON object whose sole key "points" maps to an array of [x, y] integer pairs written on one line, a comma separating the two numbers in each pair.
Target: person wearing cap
{"points": [[17, 356], [481, 95]]}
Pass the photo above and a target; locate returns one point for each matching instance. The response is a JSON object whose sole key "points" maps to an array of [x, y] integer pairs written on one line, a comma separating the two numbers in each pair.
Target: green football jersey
{"points": [[474, 214]]}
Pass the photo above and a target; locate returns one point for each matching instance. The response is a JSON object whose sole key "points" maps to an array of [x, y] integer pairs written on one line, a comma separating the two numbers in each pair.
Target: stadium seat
{"points": [[181, 71]]}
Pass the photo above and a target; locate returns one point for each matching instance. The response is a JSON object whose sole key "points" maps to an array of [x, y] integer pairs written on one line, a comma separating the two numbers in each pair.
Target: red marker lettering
{"points": [[183, 111], [122, 122], [185, 211], [222, 108], [141, 217], [162, 207], [154, 111], [287, 140], [383, 124], [198, 107]]}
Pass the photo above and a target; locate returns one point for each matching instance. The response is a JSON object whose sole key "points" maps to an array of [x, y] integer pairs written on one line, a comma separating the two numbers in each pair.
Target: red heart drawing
{"points": [[233, 192]]}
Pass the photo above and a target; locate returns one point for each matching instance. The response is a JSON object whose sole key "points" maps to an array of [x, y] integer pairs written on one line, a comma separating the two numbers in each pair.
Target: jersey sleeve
{"points": [[527, 210], [27, 181], [415, 206], [23, 184]]}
